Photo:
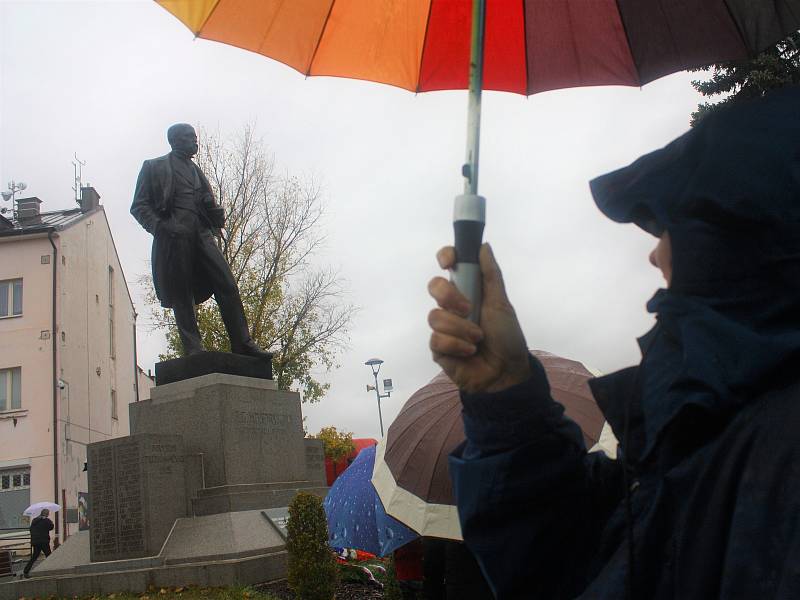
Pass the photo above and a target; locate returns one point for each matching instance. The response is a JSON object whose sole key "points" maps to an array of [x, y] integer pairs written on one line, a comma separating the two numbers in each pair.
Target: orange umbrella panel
{"points": [[375, 40]]}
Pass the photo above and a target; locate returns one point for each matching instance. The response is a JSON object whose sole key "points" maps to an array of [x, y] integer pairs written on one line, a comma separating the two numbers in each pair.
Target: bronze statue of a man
{"points": [[173, 201]]}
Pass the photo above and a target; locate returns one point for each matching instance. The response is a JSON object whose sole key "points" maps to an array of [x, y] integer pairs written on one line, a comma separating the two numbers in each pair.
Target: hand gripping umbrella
{"points": [[411, 471], [521, 46]]}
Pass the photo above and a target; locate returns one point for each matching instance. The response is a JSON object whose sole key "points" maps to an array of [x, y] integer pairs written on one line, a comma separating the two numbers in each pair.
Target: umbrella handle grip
{"points": [[469, 218]]}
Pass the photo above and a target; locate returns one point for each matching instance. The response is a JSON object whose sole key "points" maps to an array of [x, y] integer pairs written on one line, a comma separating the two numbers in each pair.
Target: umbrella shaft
{"points": [[470, 170]]}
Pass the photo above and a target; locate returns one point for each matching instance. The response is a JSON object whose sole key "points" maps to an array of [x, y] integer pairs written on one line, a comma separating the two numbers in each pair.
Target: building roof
{"points": [[56, 219]]}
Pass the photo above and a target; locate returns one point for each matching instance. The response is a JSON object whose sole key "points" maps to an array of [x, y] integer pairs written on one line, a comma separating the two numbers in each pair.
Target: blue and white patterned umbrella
{"points": [[356, 517]]}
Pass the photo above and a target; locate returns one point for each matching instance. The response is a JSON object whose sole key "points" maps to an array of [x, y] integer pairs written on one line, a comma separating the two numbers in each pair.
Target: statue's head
{"points": [[182, 139]]}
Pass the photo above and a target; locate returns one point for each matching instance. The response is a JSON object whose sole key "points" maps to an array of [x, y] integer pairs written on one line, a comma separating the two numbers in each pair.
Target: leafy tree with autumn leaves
{"points": [[338, 444]]}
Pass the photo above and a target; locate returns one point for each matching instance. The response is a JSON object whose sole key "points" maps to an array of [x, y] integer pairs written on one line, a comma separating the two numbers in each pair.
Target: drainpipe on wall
{"points": [[55, 388]]}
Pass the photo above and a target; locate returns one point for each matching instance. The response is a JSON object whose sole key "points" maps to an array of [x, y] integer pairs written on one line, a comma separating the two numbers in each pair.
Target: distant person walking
{"points": [[40, 538]]}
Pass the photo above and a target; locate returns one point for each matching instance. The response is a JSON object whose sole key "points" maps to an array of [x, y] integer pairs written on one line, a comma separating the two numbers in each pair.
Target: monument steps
{"points": [[233, 499], [249, 570], [238, 548]]}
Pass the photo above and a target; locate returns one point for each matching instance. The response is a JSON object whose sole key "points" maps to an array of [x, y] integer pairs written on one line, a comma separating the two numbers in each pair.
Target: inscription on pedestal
{"points": [[132, 478], [130, 519], [103, 510], [266, 422]]}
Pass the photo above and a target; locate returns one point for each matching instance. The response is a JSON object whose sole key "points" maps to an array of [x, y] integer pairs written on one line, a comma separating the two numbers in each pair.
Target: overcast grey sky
{"points": [[105, 80]]}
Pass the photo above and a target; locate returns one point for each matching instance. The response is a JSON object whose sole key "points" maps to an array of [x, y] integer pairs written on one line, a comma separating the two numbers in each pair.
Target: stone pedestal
{"points": [[137, 490], [246, 430], [212, 444]]}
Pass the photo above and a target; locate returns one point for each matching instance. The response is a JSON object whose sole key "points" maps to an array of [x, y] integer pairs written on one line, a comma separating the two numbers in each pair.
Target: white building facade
{"points": [[67, 353]]}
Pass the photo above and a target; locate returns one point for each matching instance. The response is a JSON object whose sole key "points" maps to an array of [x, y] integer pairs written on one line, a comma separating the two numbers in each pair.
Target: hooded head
{"points": [[728, 194]]}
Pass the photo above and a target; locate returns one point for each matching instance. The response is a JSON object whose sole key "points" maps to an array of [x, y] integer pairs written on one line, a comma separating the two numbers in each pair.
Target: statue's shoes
{"points": [[251, 349]]}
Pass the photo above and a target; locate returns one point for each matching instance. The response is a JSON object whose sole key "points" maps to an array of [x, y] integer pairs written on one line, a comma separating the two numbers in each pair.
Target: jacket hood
{"points": [[728, 193]]}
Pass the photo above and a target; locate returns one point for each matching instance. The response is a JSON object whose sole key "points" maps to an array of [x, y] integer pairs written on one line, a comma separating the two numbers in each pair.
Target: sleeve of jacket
{"points": [[531, 501], [142, 207]]}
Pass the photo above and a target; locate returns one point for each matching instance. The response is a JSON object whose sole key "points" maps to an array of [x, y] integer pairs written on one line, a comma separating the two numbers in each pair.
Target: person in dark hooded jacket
{"points": [[703, 501]]}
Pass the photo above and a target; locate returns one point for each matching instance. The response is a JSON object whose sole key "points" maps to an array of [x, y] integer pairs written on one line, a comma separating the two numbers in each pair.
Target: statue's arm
{"points": [[208, 194], [215, 212], [142, 207]]}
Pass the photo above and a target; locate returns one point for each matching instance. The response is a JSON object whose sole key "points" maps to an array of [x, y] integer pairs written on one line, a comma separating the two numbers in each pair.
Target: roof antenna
{"points": [[77, 166]]}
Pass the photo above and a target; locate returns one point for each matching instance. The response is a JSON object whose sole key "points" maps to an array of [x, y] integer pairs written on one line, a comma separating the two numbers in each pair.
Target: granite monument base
{"points": [[246, 429], [209, 446]]}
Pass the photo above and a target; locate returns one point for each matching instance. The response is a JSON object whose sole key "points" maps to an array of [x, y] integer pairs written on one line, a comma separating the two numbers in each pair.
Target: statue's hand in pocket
{"points": [[172, 228]]}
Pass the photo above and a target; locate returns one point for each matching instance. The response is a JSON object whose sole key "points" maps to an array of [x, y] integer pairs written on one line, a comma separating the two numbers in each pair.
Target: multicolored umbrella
{"points": [[411, 471], [356, 518], [521, 46], [530, 45]]}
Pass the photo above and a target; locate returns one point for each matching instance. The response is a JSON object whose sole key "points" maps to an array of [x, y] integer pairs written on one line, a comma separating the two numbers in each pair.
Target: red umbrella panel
{"points": [[411, 467]]}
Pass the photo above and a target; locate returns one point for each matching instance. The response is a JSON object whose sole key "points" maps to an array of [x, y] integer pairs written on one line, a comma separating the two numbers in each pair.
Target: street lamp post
{"points": [[375, 365]]}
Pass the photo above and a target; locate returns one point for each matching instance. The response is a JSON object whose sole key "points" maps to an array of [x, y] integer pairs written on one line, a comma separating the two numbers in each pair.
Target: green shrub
{"points": [[391, 590], [312, 568]]}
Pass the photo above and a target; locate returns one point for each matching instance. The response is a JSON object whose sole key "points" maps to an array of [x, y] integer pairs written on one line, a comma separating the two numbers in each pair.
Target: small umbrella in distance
{"points": [[411, 472], [34, 510], [356, 518]]}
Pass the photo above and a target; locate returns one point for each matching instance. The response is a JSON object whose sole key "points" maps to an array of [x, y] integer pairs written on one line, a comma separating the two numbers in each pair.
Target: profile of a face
{"points": [[661, 257], [184, 141]]}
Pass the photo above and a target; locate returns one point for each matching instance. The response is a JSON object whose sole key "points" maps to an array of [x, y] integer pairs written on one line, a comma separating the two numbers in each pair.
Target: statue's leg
{"points": [[226, 293], [180, 265], [186, 320]]}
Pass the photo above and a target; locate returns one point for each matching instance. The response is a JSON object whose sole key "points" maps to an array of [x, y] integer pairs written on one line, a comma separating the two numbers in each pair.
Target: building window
{"points": [[10, 389], [111, 345], [111, 352], [114, 404], [10, 298], [15, 479], [110, 286]]}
